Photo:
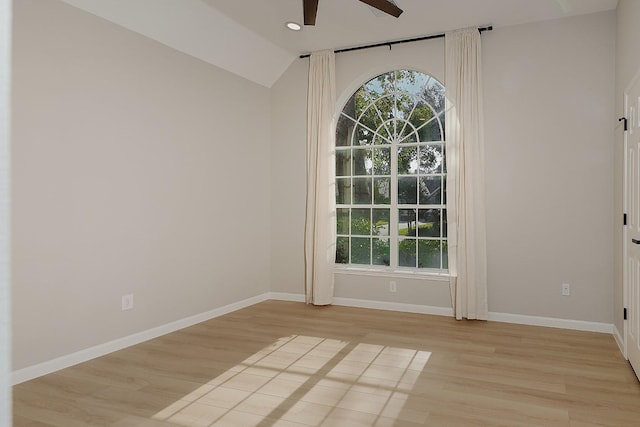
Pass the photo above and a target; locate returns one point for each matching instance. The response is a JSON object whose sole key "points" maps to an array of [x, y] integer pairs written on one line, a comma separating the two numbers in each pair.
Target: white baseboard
{"points": [[619, 340], [551, 322], [393, 306], [283, 296], [377, 305], [577, 325], [68, 360]]}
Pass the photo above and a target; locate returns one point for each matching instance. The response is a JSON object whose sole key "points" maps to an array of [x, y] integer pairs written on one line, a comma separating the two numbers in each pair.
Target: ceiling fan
{"points": [[310, 8]]}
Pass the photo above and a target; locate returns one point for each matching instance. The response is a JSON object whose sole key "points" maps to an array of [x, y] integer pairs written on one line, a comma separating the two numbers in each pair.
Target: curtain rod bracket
{"points": [[623, 119]]}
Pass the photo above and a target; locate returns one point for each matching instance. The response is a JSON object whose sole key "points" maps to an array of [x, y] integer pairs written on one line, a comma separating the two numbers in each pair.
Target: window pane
{"points": [[406, 104], [371, 119], [407, 160], [342, 250], [382, 135], [359, 104], [421, 115], [382, 194], [444, 223], [406, 222], [407, 190], [407, 132], [350, 107], [343, 162], [430, 190], [444, 129], [343, 221], [363, 136], [430, 131], [381, 219], [429, 253], [360, 250], [362, 191], [362, 162], [434, 94], [382, 161], [385, 105], [445, 255], [344, 129], [429, 222], [381, 252], [444, 158], [444, 190], [431, 159], [386, 80], [407, 253], [361, 222], [375, 86], [410, 81], [343, 191]]}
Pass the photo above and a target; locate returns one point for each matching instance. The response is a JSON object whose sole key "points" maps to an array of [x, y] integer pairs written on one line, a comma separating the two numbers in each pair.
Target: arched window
{"points": [[391, 174]]}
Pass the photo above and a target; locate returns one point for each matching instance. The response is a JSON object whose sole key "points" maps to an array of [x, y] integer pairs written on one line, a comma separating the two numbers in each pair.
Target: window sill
{"points": [[441, 276]]}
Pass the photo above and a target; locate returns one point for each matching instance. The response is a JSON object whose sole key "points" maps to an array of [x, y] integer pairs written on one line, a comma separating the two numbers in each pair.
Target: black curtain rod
{"points": [[415, 39]]}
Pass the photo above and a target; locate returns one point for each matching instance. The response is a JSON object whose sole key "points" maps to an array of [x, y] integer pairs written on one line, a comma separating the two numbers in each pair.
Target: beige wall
{"points": [[549, 131], [136, 169], [549, 103], [627, 66], [288, 183]]}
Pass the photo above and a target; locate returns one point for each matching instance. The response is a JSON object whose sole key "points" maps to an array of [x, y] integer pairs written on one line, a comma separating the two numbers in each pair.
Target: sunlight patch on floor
{"points": [[306, 380]]}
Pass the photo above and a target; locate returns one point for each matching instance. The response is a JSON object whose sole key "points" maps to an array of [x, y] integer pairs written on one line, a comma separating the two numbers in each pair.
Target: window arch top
{"points": [[397, 107]]}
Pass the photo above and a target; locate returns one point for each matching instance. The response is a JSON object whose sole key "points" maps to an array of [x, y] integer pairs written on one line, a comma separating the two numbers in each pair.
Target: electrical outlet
{"points": [[566, 289], [392, 286], [127, 302]]}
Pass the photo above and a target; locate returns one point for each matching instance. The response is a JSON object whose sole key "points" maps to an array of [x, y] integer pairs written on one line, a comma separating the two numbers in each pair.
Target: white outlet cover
{"points": [[127, 302]]}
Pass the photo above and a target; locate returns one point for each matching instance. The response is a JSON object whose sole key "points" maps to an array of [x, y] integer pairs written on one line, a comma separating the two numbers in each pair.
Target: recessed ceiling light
{"points": [[294, 26]]}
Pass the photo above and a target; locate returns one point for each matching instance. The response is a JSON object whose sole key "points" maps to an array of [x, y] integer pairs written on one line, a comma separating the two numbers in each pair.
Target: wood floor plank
{"points": [[288, 364]]}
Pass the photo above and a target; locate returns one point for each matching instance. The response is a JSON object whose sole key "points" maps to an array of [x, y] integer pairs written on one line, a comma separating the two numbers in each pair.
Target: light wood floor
{"points": [[288, 364]]}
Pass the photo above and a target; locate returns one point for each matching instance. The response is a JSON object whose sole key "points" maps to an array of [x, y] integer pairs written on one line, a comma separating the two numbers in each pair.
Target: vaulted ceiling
{"points": [[249, 37]]}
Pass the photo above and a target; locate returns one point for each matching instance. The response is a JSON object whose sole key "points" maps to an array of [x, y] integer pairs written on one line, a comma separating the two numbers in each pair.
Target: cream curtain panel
{"points": [[320, 233], [465, 174]]}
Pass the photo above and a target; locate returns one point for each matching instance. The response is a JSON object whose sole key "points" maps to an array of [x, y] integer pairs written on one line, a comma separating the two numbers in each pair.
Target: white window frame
{"points": [[394, 270]]}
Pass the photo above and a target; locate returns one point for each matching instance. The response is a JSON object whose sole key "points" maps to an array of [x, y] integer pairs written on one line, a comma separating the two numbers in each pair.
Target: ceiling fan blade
{"points": [[385, 6], [310, 9]]}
